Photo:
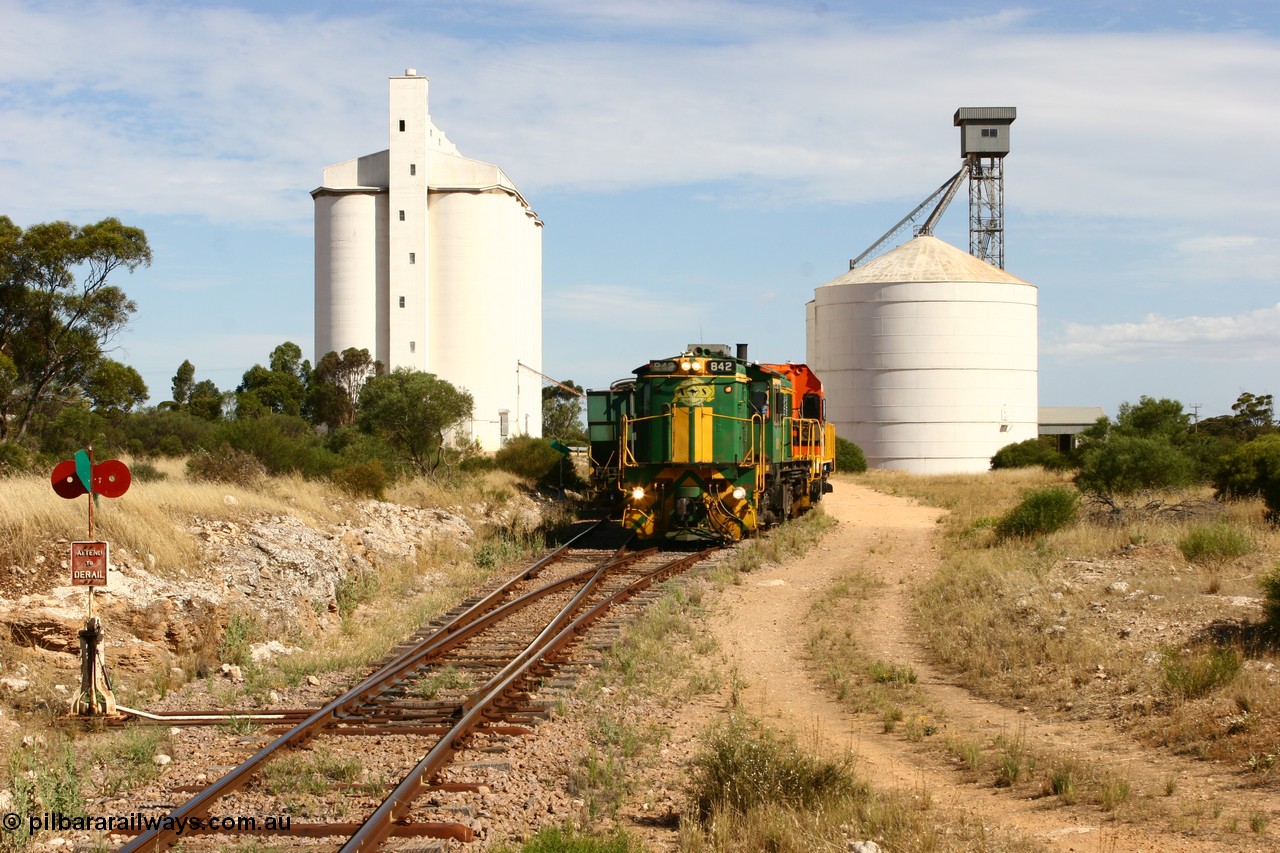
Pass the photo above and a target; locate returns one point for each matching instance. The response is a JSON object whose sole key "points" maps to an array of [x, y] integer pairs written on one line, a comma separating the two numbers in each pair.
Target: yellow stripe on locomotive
{"points": [[708, 445]]}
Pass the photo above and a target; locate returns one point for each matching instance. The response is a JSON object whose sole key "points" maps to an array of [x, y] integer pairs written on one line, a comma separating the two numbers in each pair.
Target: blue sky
{"points": [[701, 167]]}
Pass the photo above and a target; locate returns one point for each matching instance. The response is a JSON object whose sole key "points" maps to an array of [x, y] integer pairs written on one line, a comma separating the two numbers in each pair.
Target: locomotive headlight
{"points": [[739, 493], [637, 493], [686, 365], [697, 365]]}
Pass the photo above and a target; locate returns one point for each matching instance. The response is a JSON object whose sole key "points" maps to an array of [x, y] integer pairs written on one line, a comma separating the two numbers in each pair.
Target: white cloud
{"points": [[1251, 336], [232, 113]]}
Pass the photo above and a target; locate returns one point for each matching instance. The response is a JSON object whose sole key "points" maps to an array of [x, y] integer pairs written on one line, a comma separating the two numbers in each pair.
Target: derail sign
{"points": [[88, 563]]}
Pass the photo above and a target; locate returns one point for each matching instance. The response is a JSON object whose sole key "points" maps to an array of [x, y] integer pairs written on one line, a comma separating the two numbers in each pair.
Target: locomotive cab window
{"points": [[811, 407]]}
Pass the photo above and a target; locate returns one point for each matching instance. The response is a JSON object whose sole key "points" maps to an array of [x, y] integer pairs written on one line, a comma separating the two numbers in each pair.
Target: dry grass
{"points": [[485, 490], [149, 520], [753, 790], [1106, 619]]}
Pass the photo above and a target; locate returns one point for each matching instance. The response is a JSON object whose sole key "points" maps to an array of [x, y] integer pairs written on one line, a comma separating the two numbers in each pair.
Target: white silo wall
{"points": [[481, 307], [927, 376], [529, 327], [351, 271]]}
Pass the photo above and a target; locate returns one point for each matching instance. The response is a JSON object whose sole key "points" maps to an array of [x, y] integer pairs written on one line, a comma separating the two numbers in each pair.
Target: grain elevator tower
{"points": [[432, 261], [984, 142]]}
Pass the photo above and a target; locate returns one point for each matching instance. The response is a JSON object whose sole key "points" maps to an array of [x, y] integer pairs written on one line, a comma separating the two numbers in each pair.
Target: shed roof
{"points": [[1068, 420]]}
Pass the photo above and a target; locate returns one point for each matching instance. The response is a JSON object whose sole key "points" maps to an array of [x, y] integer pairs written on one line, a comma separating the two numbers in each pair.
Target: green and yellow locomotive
{"points": [[711, 446]]}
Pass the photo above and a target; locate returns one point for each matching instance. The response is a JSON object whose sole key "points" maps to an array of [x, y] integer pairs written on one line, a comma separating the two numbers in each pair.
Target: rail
{"points": [[356, 707]]}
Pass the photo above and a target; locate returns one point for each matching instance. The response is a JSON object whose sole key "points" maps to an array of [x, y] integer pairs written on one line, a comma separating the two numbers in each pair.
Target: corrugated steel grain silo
{"points": [[928, 358]]}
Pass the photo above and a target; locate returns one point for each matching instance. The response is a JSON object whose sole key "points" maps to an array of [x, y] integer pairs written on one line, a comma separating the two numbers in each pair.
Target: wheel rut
{"points": [[760, 627]]}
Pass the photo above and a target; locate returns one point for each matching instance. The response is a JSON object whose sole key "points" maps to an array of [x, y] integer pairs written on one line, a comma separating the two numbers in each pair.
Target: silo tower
{"points": [[984, 142]]}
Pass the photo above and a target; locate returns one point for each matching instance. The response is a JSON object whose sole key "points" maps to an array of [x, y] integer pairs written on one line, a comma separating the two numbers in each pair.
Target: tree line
{"points": [[1154, 447], [346, 417]]}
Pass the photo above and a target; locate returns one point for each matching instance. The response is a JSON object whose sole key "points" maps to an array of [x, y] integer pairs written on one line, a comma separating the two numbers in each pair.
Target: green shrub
{"points": [[536, 459], [362, 479], [1210, 543], [744, 765], [284, 444], [41, 781], [1200, 672], [477, 464], [849, 457], [1126, 465], [1270, 583], [145, 472], [527, 457], [355, 589], [238, 638], [1029, 453], [14, 459], [1252, 470], [570, 840], [226, 464], [167, 432], [1041, 512]]}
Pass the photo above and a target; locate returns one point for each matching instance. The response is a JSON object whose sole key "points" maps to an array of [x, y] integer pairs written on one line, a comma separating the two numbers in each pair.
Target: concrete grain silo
{"points": [[433, 261], [928, 358]]}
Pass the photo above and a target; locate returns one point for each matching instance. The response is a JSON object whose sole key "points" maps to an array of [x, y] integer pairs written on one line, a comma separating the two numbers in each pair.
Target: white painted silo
{"points": [[486, 297], [928, 358], [351, 271], [433, 261]]}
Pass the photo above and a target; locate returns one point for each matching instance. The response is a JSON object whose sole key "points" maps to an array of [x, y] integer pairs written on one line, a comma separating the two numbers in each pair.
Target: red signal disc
{"points": [[65, 481], [111, 478]]}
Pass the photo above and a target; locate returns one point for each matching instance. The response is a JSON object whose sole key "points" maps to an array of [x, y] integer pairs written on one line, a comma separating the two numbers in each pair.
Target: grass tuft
{"points": [[744, 765], [1214, 543], [1198, 673]]}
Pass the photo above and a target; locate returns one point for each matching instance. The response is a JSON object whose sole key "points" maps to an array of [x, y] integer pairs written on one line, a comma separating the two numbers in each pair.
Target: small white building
{"points": [[927, 356], [433, 261]]}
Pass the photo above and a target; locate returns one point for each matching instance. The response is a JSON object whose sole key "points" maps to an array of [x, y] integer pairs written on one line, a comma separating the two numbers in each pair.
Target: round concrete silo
{"points": [[351, 270], [928, 358], [486, 308]]}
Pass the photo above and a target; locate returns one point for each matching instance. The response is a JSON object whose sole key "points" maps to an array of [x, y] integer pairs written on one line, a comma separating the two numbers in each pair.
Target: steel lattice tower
{"points": [[984, 142], [986, 209]]}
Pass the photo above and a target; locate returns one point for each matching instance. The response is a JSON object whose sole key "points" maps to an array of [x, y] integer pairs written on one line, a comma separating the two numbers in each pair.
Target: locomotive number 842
{"points": [[710, 446]]}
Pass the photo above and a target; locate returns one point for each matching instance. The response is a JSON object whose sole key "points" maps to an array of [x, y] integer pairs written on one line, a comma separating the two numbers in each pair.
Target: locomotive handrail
{"points": [[760, 465], [625, 454]]}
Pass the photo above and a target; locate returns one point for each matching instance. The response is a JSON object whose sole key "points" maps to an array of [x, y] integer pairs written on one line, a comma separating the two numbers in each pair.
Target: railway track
{"points": [[460, 683]]}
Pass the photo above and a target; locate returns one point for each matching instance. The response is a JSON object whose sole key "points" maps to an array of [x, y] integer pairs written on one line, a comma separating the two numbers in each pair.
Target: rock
{"points": [[313, 681], [864, 847], [161, 760], [48, 628], [1118, 588], [12, 684], [230, 500], [262, 652]]}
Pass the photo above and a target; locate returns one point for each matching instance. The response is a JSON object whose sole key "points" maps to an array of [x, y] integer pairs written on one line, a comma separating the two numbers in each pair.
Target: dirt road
{"points": [[760, 626]]}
